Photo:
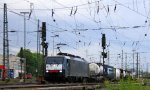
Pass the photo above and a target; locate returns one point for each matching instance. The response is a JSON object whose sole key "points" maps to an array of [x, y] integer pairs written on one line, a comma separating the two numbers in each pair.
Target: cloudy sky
{"points": [[80, 24]]}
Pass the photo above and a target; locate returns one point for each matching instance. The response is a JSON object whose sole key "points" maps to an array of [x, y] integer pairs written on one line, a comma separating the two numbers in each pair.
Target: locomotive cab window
{"points": [[55, 60], [67, 62], [110, 70]]}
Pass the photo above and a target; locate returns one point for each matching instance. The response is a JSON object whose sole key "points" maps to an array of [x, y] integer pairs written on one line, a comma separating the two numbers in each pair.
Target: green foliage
{"points": [[146, 88], [110, 86], [32, 62], [97, 87], [146, 80], [127, 84]]}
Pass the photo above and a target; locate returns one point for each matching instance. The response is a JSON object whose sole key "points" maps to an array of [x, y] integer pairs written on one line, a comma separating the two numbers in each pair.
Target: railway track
{"points": [[66, 86]]}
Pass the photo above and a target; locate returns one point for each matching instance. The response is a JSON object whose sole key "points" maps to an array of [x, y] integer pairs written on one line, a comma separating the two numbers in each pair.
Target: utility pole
{"points": [[147, 70], [21, 59], [5, 46], [38, 26], [133, 60], [139, 66], [38, 45], [24, 14], [142, 70], [137, 71], [122, 60], [53, 45], [126, 62], [54, 42]]}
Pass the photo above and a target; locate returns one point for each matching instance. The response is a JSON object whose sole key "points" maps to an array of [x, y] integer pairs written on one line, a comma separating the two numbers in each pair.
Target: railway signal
{"points": [[104, 54], [43, 31], [104, 47], [44, 43], [103, 41], [21, 52]]}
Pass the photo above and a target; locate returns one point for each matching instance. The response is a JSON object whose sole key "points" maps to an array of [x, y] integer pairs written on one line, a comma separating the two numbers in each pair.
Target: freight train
{"points": [[68, 67]]}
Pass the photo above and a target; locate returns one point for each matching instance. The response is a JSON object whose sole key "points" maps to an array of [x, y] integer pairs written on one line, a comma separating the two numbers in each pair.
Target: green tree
{"points": [[33, 62]]}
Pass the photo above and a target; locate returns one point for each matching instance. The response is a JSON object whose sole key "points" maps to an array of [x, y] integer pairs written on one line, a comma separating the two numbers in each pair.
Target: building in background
{"points": [[14, 64]]}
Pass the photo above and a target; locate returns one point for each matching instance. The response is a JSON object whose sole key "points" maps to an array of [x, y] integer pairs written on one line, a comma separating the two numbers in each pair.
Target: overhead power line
{"points": [[112, 27], [131, 9], [60, 8]]}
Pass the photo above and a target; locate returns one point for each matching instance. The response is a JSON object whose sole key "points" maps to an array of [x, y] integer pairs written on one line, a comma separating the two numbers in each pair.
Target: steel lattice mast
{"points": [[5, 46]]}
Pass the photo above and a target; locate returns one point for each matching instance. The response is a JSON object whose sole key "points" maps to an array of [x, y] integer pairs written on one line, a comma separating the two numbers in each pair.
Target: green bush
{"points": [[124, 84]]}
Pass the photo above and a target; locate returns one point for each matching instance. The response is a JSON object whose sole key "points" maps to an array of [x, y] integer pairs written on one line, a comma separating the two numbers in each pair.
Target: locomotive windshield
{"points": [[54, 60]]}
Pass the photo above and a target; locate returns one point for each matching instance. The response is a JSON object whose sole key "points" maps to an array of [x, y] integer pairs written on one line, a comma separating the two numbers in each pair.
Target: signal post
{"points": [[104, 47]]}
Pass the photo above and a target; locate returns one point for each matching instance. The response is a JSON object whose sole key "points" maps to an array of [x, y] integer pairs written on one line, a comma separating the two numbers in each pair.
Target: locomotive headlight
{"points": [[60, 71], [47, 71]]}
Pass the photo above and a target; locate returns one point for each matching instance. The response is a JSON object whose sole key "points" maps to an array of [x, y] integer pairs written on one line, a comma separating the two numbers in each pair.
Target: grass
{"points": [[146, 88], [16, 81], [127, 84]]}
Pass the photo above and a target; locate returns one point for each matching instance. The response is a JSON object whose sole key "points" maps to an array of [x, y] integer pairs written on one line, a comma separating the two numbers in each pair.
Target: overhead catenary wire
{"points": [[62, 29], [65, 30], [131, 9], [75, 13], [13, 12]]}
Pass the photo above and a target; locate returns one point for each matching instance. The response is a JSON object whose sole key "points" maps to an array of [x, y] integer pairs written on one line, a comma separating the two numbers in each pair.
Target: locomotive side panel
{"points": [[78, 68]]}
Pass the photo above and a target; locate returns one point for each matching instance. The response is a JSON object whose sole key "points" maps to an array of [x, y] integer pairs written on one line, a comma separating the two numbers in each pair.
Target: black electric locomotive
{"points": [[66, 67]]}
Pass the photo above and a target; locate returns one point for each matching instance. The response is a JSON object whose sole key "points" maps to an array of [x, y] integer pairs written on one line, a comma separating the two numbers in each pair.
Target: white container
{"points": [[94, 69]]}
